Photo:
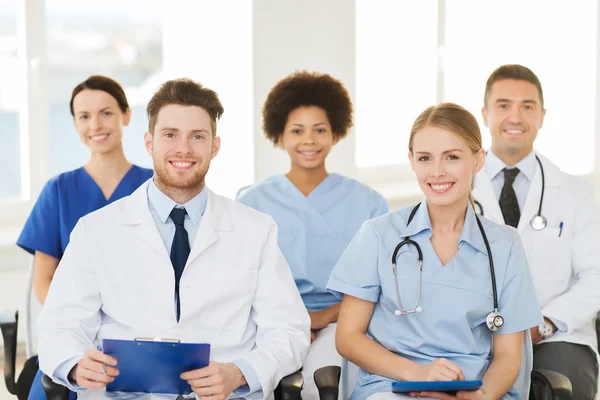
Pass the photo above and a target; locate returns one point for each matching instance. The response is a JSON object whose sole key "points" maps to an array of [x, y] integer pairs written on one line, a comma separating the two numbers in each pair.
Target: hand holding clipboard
{"points": [[218, 380], [153, 365], [95, 370]]}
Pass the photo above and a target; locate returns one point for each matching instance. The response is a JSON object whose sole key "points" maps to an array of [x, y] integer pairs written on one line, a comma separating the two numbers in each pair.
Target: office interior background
{"points": [[396, 57]]}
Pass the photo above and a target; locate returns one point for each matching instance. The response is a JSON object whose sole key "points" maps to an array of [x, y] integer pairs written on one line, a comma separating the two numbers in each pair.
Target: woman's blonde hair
{"points": [[453, 118]]}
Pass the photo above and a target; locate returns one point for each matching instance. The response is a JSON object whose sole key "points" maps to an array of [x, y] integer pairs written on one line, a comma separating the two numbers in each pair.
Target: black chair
{"points": [[598, 329], [18, 387], [289, 387], [327, 380], [53, 390], [550, 385], [9, 321]]}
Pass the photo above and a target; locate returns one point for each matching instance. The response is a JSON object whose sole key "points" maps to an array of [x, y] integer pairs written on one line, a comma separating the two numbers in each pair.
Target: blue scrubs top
{"points": [[455, 298], [314, 230], [66, 198]]}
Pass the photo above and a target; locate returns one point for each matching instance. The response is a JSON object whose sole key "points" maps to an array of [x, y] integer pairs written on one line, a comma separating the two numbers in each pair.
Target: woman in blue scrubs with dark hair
{"points": [[317, 212], [100, 112]]}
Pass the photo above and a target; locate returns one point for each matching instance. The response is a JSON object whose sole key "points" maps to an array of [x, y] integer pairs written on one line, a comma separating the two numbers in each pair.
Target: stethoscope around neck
{"points": [[538, 222], [494, 320]]}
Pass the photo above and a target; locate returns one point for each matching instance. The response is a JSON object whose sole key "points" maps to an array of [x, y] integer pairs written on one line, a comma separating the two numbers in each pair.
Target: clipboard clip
{"points": [[157, 339]]}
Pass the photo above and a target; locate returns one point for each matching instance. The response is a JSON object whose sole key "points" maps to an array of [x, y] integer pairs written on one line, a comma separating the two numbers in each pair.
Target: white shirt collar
{"points": [[494, 165]]}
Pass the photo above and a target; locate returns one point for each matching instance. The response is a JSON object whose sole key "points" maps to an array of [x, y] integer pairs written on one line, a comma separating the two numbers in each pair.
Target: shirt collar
{"points": [[495, 165], [163, 204], [470, 233], [420, 221]]}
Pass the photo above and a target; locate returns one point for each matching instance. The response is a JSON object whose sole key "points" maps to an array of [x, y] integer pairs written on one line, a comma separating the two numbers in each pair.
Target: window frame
{"points": [[34, 131]]}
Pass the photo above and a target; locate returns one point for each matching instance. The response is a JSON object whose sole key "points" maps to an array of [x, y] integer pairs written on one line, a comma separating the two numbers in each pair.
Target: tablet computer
{"points": [[451, 386]]}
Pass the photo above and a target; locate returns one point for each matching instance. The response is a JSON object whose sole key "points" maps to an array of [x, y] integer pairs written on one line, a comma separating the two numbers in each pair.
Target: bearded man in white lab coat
{"points": [[175, 260], [564, 256]]}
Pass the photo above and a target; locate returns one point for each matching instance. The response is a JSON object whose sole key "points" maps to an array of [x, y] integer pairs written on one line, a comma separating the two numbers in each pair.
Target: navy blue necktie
{"points": [[180, 251], [508, 198]]}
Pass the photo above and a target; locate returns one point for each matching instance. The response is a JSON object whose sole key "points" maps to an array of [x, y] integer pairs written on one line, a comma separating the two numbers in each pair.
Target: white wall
{"points": [[296, 35], [201, 38]]}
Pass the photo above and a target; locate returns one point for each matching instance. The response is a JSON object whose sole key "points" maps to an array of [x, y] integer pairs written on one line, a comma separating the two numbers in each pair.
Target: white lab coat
{"points": [[116, 280], [565, 269]]}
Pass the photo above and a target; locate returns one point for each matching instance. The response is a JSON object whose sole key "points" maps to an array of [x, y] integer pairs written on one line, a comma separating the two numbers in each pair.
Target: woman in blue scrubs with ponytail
{"points": [[100, 112], [473, 296]]}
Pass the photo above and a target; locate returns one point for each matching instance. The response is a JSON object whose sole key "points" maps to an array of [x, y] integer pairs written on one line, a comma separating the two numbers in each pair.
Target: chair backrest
{"points": [[32, 311], [523, 382], [348, 379], [598, 331], [522, 385], [242, 190]]}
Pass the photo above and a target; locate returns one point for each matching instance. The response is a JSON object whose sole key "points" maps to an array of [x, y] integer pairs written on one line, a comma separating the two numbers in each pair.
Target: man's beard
{"points": [[168, 182]]}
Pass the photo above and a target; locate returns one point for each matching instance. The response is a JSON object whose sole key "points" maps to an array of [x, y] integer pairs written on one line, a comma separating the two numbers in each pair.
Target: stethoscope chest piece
{"points": [[538, 222], [494, 321]]}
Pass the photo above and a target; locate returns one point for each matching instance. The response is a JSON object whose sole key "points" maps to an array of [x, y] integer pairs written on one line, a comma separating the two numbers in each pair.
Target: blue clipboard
{"points": [[154, 366], [452, 386]]}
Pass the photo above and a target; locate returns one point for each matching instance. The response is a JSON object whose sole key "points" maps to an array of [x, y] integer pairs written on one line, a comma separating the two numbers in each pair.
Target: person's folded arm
{"points": [[320, 319]]}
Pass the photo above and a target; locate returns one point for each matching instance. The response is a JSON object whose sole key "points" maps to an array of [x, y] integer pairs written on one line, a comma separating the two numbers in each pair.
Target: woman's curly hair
{"points": [[303, 89]]}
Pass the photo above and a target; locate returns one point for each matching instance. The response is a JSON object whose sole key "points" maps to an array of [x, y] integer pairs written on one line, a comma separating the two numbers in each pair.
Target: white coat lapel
{"points": [[532, 200], [553, 178], [215, 219], [136, 212], [483, 192]]}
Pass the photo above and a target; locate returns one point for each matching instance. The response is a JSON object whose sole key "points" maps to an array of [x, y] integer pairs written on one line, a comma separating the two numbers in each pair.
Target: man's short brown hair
{"points": [[512, 71], [184, 92]]}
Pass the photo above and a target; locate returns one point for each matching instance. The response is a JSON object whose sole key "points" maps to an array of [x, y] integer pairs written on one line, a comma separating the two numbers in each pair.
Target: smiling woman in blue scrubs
{"points": [[449, 338], [100, 112], [317, 212]]}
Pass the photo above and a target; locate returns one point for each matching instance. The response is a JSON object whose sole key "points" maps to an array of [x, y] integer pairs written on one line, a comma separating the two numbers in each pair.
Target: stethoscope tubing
{"points": [[539, 213], [407, 241]]}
